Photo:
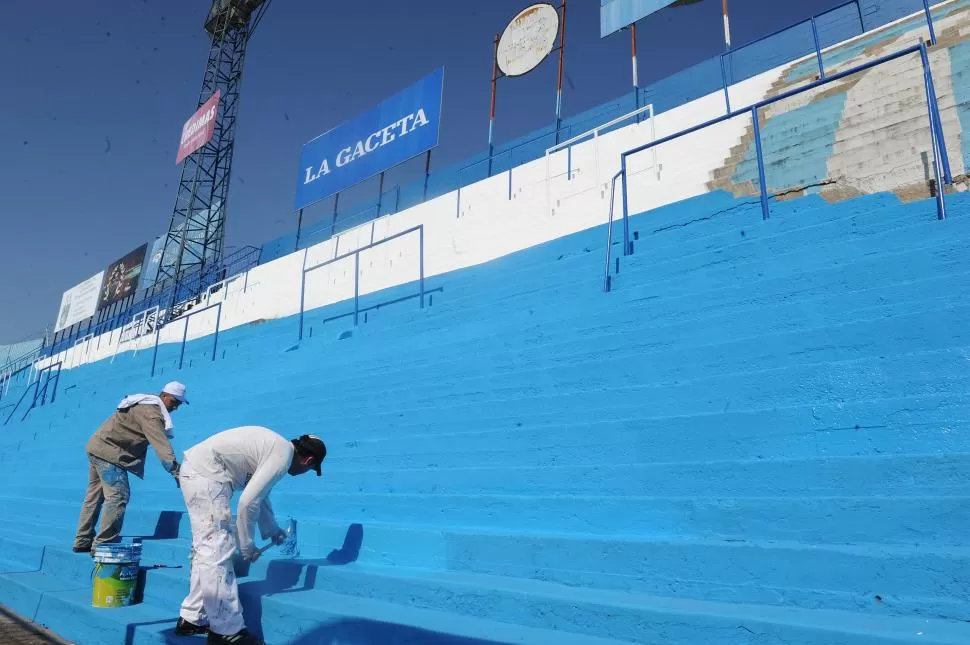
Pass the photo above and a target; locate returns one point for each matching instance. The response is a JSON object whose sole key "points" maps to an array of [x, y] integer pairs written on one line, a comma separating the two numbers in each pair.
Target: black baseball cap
{"points": [[311, 445]]}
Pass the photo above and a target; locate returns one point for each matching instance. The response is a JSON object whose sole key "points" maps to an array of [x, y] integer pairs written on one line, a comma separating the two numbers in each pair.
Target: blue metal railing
{"points": [[38, 390], [608, 280], [189, 286], [498, 155], [818, 49], [936, 134], [813, 21], [15, 365], [356, 254], [185, 333]]}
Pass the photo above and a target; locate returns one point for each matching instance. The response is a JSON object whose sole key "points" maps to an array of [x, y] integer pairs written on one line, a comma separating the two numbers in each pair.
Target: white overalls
{"points": [[251, 458]]}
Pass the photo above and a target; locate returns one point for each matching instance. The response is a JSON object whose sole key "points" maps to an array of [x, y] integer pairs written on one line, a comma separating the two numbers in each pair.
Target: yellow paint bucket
{"points": [[115, 577]]}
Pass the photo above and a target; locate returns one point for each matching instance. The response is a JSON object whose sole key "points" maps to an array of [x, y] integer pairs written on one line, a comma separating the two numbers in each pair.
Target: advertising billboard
{"points": [[79, 302], [617, 14], [198, 130], [399, 128], [121, 277], [528, 39]]}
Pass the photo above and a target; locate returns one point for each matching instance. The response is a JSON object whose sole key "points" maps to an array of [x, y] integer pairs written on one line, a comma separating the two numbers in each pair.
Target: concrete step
{"points": [[825, 520], [644, 619]]}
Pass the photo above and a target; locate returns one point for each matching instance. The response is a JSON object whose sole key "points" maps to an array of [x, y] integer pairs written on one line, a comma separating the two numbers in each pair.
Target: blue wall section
{"points": [[812, 129]]}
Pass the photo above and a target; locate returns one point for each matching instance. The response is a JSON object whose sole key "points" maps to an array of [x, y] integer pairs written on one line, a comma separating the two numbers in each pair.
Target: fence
{"points": [[185, 334], [356, 254], [38, 390], [163, 297], [936, 136]]}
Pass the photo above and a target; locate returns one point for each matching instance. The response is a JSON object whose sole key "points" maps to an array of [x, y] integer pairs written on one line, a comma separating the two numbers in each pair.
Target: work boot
{"points": [[185, 628], [81, 549], [242, 637]]}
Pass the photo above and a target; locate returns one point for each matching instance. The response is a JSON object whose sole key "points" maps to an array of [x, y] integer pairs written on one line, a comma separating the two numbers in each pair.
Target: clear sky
{"points": [[96, 94]]}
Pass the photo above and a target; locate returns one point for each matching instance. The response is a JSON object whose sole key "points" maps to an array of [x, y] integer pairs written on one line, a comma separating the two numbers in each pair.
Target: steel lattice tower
{"points": [[198, 225]]}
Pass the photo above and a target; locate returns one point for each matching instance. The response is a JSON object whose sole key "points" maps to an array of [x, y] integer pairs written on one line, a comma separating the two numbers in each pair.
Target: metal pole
{"points": [[155, 353], [299, 225], [421, 265], [727, 98], [356, 287], [935, 112], [727, 25], [215, 341], [302, 296], [562, 54], [761, 163], [626, 209], [491, 113], [934, 126], [427, 173], [380, 193], [929, 21], [633, 39], [818, 49], [185, 335], [336, 202]]}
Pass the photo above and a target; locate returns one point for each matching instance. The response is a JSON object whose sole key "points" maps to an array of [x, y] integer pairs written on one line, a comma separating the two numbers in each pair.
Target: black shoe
{"points": [[185, 628], [242, 637], [81, 549]]}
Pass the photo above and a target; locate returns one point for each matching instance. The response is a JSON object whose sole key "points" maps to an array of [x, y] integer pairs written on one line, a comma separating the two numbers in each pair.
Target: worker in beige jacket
{"points": [[119, 447]]}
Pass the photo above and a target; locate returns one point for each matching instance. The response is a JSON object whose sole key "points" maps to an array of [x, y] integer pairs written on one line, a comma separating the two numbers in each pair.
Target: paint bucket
{"points": [[115, 577]]}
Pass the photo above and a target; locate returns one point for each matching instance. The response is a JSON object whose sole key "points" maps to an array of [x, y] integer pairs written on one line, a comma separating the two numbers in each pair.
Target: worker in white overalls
{"points": [[254, 459]]}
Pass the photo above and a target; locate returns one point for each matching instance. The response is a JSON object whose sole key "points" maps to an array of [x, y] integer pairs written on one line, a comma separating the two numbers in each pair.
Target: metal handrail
{"points": [[818, 49], [185, 333], [247, 255], [356, 253], [492, 156], [595, 132], [37, 390], [796, 24], [936, 134], [607, 280]]}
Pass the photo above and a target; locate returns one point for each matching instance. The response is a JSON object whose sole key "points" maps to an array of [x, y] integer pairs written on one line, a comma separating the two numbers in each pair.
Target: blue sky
{"points": [[96, 94]]}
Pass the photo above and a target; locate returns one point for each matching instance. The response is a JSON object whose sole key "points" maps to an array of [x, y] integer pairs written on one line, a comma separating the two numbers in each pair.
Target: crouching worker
{"points": [[253, 459], [119, 447]]}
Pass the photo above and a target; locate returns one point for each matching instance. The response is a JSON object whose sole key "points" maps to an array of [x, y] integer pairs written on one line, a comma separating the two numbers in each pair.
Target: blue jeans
{"points": [[107, 496]]}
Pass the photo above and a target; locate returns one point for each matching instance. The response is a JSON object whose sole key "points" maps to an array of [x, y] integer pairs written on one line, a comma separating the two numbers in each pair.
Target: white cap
{"points": [[176, 390]]}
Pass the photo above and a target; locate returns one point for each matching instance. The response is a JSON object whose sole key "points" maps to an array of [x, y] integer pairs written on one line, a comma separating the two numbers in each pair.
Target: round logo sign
{"points": [[528, 39]]}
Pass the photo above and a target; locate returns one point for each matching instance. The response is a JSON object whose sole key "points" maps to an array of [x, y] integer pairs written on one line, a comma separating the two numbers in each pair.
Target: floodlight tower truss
{"points": [[197, 229]]}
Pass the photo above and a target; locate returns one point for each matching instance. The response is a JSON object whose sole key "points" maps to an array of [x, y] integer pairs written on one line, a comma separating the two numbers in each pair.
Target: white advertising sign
{"points": [[528, 39], [79, 302]]}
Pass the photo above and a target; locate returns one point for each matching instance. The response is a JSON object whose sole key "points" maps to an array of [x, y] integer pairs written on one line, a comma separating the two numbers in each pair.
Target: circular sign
{"points": [[528, 39]]}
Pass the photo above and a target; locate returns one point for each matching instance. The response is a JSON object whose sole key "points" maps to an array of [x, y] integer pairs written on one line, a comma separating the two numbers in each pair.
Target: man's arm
{"points": [[253, 495], [268, 526], [153, 427]]}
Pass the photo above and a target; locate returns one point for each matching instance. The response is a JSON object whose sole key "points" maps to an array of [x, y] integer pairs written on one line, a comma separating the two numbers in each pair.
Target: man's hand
{"points": [[176, 469], [249, 552], [278, 537]]}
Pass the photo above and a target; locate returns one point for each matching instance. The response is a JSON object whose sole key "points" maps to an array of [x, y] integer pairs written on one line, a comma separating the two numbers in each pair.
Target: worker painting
{"points": [[252, 459], [119, 447]]}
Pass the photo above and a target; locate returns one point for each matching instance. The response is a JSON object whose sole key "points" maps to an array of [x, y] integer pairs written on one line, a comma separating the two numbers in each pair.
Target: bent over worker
{"points": [[119, 447], [254, 459]]}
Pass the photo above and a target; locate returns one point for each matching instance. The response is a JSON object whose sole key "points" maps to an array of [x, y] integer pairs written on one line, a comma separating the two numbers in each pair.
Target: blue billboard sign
{"points": [[617, 14], [399, 128]]}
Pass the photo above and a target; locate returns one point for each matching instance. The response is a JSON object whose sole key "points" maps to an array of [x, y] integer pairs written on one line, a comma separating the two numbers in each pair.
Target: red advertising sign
{"points": [[199, 129]]}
